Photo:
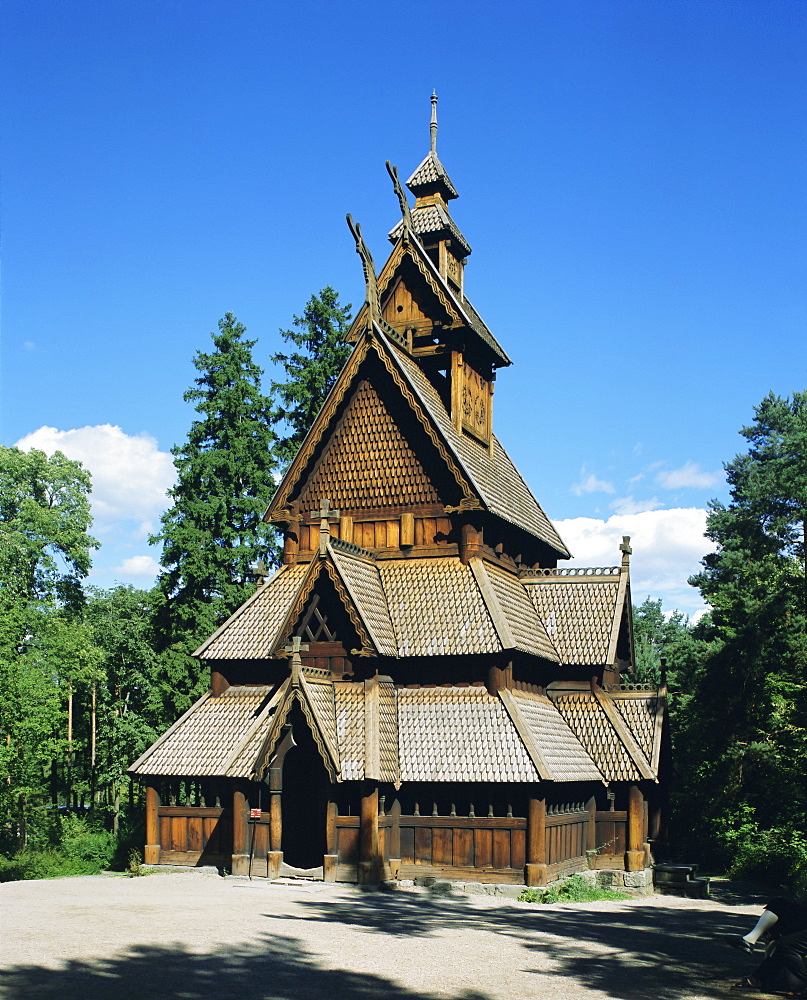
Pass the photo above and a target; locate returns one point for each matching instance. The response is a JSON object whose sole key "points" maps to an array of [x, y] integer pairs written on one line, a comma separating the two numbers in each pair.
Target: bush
{"points": [[42, 864], [576, 889], [83, 844], [775, 857]]}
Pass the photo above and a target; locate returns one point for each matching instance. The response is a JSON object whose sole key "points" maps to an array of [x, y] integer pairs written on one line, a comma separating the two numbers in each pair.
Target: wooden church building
{"points": [[419, 689]]}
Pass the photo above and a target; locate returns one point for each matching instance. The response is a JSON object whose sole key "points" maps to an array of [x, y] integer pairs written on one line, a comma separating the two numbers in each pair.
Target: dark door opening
{"points": [[304, 798]]}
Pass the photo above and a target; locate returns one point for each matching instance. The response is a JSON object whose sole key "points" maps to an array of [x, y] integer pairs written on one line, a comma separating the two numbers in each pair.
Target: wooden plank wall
{"points": [[478, 848], [195, 824], [383, 533]]}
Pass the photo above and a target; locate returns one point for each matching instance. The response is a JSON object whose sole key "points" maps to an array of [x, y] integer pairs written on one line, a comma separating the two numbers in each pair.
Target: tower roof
{"points": [[430, 177]]}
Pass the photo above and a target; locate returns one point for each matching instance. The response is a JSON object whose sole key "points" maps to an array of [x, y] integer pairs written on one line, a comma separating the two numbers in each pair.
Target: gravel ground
{"points": [[189, 935]]}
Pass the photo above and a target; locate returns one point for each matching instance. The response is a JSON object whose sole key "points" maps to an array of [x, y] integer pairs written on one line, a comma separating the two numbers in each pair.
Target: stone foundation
{"points": [[635, 883]]}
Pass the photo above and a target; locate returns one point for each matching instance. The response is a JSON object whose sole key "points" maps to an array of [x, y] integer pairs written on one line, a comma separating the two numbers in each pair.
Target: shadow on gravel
{"points": [[635, 953], [275, 969]]}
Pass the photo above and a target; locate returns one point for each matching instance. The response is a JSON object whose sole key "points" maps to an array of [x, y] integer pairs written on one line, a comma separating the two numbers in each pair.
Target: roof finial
{"points": [[433, 126]]}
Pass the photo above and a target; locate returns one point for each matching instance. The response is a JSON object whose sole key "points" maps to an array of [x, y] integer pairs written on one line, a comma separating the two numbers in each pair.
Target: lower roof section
{"points": [[374, 730]]}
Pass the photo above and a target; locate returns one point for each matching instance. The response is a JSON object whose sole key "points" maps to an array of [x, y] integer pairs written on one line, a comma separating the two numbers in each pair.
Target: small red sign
{"points": [[254, 814]]}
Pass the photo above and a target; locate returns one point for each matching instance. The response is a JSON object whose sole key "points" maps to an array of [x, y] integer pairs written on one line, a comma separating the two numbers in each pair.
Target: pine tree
{"points": [[745, 741], [213, 534], [312, 370]]}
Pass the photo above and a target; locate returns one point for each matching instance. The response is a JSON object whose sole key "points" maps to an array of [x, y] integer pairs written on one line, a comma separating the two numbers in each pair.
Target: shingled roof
{"points": [[433, 219], [495, 478], [207, 739], [556, 752], [581, 609], [602, 730], [429, 173], [446, 733], [252, 632]]}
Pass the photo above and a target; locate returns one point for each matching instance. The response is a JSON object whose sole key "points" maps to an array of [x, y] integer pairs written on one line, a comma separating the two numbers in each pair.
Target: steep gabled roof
{"points": [[253, 631], [556, 752], [490, 480], [359, 572], [494, 478], [596, 722], [207, 739], [582, 610], [408, 248], [514, 618]]}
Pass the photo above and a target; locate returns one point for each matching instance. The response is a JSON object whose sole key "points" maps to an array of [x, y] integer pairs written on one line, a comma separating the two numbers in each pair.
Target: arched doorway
{"points": [[304, 798]]}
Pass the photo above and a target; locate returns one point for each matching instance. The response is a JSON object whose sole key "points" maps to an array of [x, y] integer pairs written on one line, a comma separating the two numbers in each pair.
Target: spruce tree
{"points": [[743, 742], [311, 370], [213, 534]]}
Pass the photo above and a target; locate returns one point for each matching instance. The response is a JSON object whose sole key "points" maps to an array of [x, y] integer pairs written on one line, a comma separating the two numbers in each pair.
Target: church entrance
{"points": [[304, 798]]}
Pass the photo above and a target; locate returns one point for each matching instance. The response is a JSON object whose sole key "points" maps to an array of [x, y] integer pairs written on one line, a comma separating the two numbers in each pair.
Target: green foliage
{"points": [[213, 534], [134, 866], [84, 842], [575, 889], [311, 370], [44, 649], [44, 523], [659, 637], [741, 743]]}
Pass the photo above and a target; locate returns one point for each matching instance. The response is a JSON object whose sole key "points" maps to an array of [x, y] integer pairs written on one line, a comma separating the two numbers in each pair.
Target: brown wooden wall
{"points": [[384, 533]]}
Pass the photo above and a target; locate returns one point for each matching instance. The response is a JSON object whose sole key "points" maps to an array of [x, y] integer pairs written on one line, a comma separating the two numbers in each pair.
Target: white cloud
{"points": [[139, 566], [668, 546], [28, 345], [130, 475], [690, 474], [627, 505], [590, 484]]}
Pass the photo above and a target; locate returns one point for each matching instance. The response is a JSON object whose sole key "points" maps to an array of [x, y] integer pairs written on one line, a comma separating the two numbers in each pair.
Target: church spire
{"points": [[430, 219]]}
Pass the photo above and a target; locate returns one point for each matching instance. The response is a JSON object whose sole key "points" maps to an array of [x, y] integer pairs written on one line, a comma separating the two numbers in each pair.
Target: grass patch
{"points": [[573, 890]]}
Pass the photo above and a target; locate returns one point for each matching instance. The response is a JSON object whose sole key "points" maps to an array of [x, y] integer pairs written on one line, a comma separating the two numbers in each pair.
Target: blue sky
{"points": [[631, 177]]}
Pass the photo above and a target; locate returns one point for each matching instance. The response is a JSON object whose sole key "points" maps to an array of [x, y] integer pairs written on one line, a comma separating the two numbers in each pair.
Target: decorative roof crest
{"points": [[371, 283]]}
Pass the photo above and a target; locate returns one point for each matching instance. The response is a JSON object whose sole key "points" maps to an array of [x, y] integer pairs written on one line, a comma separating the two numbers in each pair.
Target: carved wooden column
{"points": [[240, 861], [536, 870], [331, 858], [369, 860], [151, 851], [635, 855]]}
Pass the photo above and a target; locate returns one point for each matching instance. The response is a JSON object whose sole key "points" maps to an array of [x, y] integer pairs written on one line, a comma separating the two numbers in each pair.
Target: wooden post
{"points": [[369, 860], [635, 855], [536, 870], [240, 861], [393, 866], [500, 679], [591, 832], [151, 851], [331, 858], [471, 539]]}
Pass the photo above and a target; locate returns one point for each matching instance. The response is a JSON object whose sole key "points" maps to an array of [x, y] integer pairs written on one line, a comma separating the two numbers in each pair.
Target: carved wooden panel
{"points": [[472, 398], [367, 463]]}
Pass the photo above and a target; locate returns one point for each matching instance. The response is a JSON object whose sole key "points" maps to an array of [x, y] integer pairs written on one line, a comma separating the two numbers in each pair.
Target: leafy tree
{"points": [[213, 533], [311, 370], [744, 742], [130, 708], [44, 524], [44, 555], [659, 638]]}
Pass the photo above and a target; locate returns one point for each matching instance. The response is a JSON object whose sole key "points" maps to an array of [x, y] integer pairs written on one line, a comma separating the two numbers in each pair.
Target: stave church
{"points": [[421, 689]]}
